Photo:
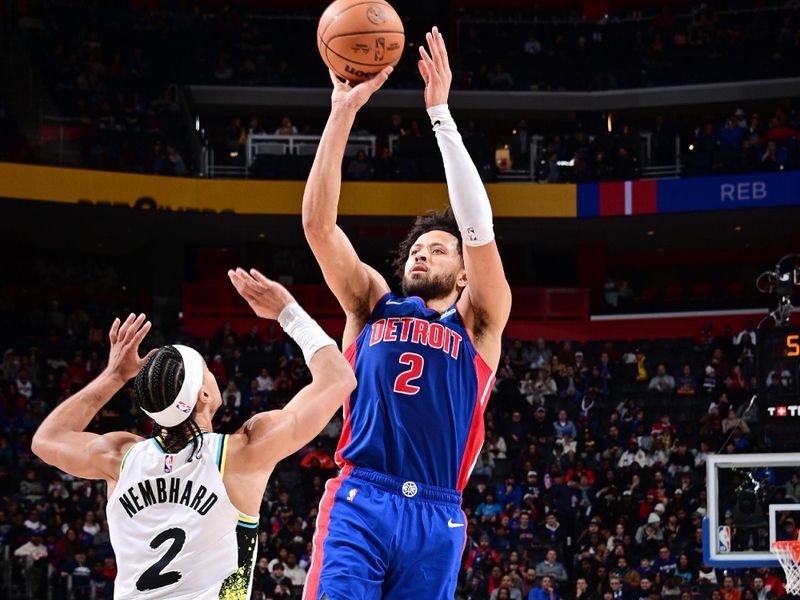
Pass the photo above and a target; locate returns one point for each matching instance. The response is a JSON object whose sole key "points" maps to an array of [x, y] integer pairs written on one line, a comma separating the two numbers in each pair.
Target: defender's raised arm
{"points": [[61, 440], [274, 435]]}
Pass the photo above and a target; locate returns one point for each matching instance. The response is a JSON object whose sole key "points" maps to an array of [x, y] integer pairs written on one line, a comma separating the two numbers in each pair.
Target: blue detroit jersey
{"points": [[417, 412]]}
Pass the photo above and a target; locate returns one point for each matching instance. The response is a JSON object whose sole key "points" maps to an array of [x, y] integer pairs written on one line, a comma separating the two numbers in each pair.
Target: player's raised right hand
{"points": [[125, 336], [355, 96], [267, 298]]}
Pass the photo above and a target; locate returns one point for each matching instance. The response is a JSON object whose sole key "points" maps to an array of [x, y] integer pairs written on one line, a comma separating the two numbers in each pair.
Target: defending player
{"points": [[390, 525], [183, 506]]}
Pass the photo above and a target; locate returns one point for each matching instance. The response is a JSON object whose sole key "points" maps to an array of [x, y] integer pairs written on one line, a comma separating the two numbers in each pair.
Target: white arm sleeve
{"points": [[468, 197]]}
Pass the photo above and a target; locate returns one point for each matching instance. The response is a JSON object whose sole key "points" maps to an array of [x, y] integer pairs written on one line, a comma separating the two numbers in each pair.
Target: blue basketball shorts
{"points": [[379, 537]]}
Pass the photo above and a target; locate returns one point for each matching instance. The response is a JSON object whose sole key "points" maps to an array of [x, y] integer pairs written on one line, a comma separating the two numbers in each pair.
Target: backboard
{"points": [[753, 500]]}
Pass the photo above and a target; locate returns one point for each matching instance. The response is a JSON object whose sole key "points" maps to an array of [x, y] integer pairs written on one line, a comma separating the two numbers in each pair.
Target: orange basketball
{"points": [[357, 39]]}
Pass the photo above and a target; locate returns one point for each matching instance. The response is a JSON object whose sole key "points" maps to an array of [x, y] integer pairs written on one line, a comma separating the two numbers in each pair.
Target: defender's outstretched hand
{"points": [[356, 96], [267, 298], [435, 69]]}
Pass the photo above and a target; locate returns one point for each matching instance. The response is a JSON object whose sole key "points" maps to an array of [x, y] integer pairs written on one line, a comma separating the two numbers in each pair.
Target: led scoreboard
{"points": [[778, 357]]}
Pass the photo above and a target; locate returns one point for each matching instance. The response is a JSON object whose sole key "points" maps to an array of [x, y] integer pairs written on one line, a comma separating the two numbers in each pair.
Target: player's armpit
{"points": [[356, 286], [274, 435], [87, 455], [488, 294]]}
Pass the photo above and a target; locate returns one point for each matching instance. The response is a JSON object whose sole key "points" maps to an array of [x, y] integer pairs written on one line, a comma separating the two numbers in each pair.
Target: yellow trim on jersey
{"points": [[224, 455], [124, 458], [247, 518]]}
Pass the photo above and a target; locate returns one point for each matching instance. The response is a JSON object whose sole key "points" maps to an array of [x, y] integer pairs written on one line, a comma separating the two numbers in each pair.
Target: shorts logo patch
{"points": [[409, 489], [352, 494]]}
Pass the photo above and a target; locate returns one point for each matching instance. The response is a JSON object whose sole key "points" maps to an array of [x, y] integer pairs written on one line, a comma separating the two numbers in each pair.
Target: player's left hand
{"points": [[123, 358], [435, 69]]}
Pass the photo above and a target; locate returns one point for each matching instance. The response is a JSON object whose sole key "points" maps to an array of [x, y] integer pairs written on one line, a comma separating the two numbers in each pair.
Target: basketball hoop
{"points": [[788, 553]]}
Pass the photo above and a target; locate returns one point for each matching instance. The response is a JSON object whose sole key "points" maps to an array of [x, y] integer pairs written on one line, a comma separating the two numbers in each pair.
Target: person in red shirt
{"points": [[324, 460], [484, 552], [729, 590]]}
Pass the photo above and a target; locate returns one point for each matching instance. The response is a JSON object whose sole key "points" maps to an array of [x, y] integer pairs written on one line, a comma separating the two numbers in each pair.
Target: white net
{"points": [[788, 553]]}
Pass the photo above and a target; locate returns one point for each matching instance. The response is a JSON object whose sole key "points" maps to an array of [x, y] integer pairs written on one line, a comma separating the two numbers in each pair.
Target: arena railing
{"points": [[491, 102]]}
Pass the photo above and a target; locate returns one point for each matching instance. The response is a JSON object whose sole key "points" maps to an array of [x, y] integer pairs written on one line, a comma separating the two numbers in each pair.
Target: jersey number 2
{"points": [[402, 385], [153, 578]]}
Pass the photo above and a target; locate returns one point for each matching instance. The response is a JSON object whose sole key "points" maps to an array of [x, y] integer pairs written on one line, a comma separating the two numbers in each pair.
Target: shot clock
{"points": [[778, 360]]}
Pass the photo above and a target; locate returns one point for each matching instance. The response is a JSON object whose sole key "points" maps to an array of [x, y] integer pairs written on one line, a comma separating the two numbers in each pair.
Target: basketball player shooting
{"points": [[390, 525], [183, 506]]}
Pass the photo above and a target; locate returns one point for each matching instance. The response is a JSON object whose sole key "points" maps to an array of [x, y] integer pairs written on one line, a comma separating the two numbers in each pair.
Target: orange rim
{"points": [[791, 547]]}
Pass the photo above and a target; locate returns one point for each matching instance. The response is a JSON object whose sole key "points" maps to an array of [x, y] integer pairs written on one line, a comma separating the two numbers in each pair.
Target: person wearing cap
{"points": [[532, 485], [650, 533], [180, 503]]}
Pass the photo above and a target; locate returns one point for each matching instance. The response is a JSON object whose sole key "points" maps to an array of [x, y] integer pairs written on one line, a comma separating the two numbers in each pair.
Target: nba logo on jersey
{"points": [[724, 538], [168, 463], [471, 234], [182, 406]]}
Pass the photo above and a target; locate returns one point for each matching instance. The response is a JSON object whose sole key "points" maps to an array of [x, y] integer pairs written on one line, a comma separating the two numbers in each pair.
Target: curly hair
{"points": [[430, 221], [157, 385]]}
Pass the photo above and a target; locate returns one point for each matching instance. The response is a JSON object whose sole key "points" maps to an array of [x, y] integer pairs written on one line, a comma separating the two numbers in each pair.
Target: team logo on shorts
{"points": [[168, 463], [409, 489], [351, 494], [471, 234], [183, 407]]}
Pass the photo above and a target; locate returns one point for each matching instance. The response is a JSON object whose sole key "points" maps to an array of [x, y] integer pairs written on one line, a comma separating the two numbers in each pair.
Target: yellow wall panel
{"points": [[57, 184]]}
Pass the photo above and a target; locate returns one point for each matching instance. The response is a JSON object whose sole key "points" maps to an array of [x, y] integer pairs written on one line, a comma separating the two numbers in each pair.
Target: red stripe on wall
{"points": [[612, 199], [644, 197]]}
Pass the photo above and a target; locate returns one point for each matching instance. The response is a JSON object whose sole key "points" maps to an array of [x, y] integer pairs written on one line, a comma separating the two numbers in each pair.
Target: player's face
{"points": [[212, 389], [434, 268]]}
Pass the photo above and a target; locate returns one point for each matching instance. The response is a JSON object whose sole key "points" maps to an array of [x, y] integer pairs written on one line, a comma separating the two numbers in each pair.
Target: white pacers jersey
{"points": [[175, 532]]}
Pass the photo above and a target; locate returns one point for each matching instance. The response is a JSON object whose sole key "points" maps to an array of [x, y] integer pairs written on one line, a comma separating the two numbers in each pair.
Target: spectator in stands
{"points": [[545, 591], [506, 590], [562, 425], [551, 567], [540, 355], [489, 511], [650, 534], [359, 168], [286, 127], [174, 163], [729, 589], [532, 46], [254, 127], [633, 454], [318, 458], [686, 384], [748, 331], [662, 382]]}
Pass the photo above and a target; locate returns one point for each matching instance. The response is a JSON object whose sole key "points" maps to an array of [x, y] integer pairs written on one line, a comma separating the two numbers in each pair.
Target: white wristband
{"points": [[304, 330]]}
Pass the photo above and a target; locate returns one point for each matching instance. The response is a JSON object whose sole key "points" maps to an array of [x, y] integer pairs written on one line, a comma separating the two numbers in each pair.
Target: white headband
{"points": [[183, 405]]}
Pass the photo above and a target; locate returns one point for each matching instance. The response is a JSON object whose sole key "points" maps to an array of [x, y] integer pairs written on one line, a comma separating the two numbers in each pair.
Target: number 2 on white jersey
{"points": [[402, 385]]}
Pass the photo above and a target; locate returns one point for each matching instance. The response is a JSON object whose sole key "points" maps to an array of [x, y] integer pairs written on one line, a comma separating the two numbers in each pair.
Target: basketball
{"points": [[357, 39]]}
